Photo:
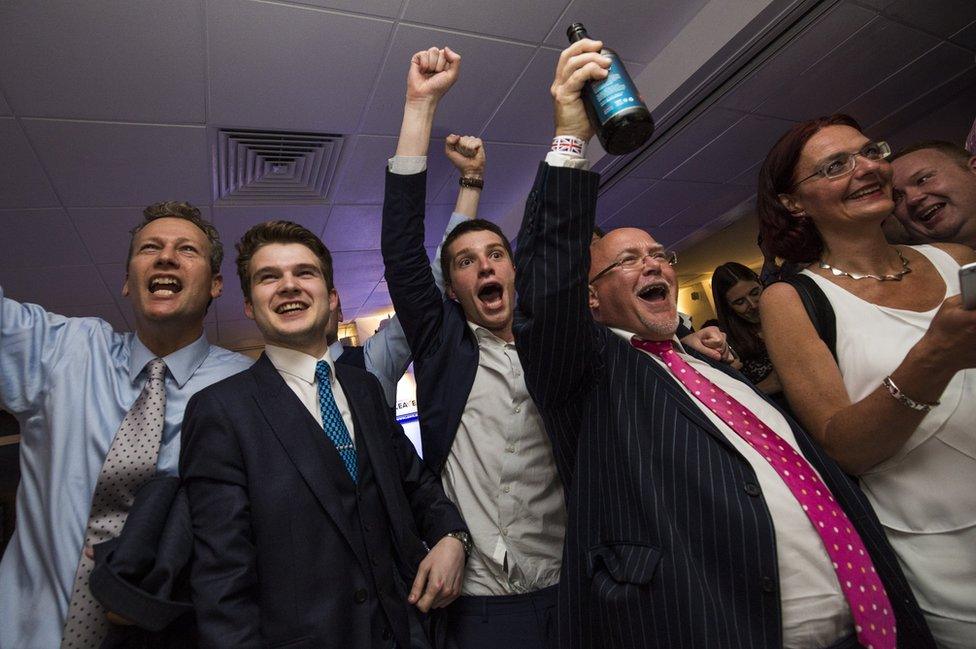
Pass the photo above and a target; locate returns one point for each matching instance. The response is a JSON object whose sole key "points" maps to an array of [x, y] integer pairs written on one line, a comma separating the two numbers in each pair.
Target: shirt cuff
{"points": [[407, 165], [555, 159], [455, 220]]}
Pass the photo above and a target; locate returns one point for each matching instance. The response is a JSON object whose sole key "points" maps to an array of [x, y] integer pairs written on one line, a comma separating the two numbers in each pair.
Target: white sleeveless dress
{"points": [[925, 495]]}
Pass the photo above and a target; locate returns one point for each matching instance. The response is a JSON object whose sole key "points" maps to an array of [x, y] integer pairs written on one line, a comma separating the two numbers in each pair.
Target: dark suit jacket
{"points": [[670, 543], [445, 351], [143, 573], [276, 559]]}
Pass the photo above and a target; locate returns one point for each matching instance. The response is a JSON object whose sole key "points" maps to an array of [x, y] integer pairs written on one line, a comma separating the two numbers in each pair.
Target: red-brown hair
{"points": [[782, 234]]}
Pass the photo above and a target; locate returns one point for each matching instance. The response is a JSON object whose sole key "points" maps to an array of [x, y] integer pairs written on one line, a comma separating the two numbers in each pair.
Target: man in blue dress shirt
{"points": [[70, 381]]}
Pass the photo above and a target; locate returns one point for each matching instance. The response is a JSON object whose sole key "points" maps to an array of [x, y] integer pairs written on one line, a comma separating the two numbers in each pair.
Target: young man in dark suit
{"points": [[700, 515], [306, 497]]}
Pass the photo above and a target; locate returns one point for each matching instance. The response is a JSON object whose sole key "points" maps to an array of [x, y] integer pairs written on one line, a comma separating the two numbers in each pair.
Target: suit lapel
{"points": [[684, 402], [303, 439]]}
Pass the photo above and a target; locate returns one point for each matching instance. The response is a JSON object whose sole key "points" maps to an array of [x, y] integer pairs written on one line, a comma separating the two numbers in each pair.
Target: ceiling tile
{"points": [[640, 28], [735, 151], [749, 177], [622, 192], [877, 51], [385, 8], [685, 143], [721, 200], [670, 235], [23, 182], [933, 68], [526, 114], [488, 69], [966, 36], [353, 292], [135, 61], [509, 173], [101, 164], [435, 222], [105, 231], [944, 114], [354, 227], [359, 267], [108, 312], [941, 19], [498, 213], [526, 21], [235, 334], [43, 238], [55, 287], [379, 299], [781, 71], [230, 304], [364, 170], [661, 202], [287, 67], [232, 221]]}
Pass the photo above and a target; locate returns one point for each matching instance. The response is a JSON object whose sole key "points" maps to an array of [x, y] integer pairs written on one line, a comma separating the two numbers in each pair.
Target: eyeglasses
{"points": [[844, 163], [630, 262]]}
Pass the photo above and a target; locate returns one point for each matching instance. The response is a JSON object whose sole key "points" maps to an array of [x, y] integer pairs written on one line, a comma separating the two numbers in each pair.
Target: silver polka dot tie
{"points": [[130, 462]]}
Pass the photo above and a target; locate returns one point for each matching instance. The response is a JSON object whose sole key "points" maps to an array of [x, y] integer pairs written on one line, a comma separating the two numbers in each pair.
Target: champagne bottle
{"points": [[615, 108]]}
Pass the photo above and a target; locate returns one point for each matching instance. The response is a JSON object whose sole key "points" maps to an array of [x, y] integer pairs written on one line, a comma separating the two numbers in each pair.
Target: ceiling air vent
{"points": [[251, 166]]}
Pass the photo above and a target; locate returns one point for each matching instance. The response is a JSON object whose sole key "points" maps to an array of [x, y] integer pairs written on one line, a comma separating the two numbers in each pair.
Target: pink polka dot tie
{"points": [[873, 616]]}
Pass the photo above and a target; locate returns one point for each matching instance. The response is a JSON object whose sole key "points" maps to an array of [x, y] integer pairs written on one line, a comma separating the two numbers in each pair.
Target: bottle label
{"points": [[614, 94]]}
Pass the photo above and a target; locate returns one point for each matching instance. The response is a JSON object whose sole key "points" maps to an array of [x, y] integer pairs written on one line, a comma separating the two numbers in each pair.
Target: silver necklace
{"points": [[894, 277]]}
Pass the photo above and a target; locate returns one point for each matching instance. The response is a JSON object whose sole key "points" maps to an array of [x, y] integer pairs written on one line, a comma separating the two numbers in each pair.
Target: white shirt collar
{"points": [[298, 364], [627, 335], [483, 334]]}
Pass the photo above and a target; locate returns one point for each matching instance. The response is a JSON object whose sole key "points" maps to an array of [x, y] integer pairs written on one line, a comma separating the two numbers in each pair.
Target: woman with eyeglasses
{"points": [[897, 405], [735, 293]]}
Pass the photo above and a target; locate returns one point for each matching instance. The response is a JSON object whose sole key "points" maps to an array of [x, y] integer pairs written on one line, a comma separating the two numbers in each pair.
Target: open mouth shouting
{"points": [[490, 295], [165, 285], [654, 293]]}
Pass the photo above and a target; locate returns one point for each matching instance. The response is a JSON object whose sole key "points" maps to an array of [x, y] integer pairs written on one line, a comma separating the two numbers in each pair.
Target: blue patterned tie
{"points": [[332, 422]]}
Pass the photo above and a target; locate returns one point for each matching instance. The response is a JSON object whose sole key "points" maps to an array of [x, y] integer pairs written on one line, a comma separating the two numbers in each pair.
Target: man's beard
{"points": [[662, 329]]}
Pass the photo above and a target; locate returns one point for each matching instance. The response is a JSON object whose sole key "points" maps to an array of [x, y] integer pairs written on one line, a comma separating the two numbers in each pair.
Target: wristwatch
{"points": [[471, 181], [464, 538]]}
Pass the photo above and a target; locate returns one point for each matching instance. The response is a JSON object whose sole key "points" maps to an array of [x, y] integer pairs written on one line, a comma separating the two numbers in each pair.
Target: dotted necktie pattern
{"points": [[874, 618], [130, 463], [335, 429]]}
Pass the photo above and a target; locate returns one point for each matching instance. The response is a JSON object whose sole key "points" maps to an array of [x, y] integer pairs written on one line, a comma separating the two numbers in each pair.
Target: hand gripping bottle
{"points": [[616, 110]]}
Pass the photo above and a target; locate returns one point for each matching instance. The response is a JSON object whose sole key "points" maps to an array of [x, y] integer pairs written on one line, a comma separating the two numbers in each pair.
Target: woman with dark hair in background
{"points": [[896, 404], [735, 292]]}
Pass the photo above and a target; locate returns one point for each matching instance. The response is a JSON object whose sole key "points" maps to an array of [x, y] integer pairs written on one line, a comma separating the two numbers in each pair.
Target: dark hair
{"points": [[952, 151], [598, 232], [784, 235], [187, 212], [743, 335], [268, 232], [474, 225]]}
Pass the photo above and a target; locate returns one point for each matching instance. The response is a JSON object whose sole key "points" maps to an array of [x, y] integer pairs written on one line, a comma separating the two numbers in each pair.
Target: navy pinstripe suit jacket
{"points": [[670, 543]]}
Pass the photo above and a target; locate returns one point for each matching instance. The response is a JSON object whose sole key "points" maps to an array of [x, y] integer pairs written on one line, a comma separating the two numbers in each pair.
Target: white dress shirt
{"points": [[815, 612], [298, 371], [501, 474]]}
